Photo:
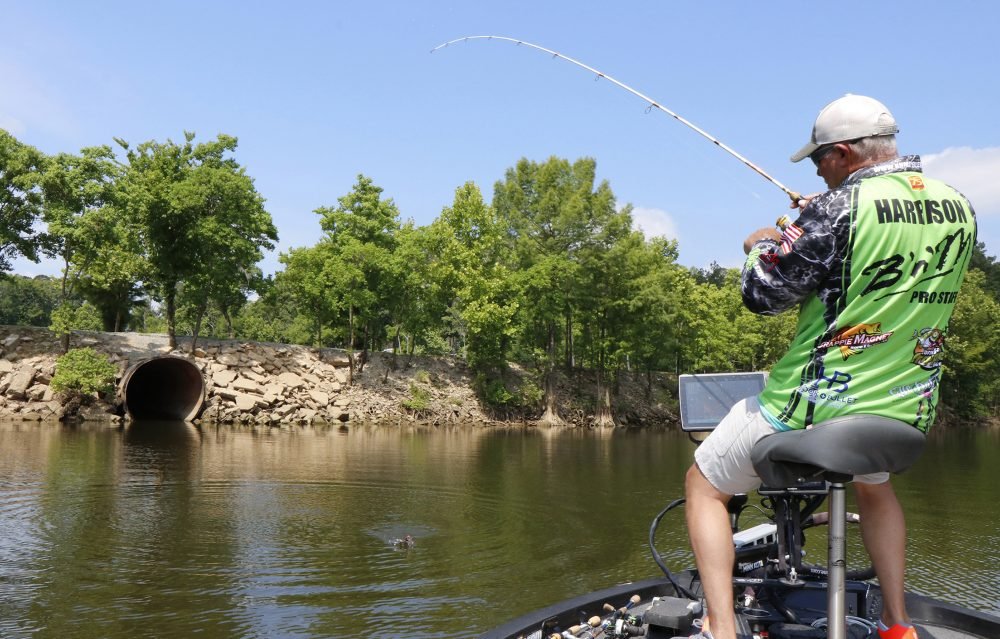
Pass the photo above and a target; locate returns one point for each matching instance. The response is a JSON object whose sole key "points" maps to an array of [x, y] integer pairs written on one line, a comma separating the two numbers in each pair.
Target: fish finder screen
{"points": [[706, 399]]}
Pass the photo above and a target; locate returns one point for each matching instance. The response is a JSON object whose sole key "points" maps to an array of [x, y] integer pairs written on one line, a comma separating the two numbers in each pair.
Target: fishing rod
{"points": [[795, 197]]}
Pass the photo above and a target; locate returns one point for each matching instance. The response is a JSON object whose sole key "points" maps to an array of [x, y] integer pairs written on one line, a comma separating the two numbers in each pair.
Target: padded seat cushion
{"points": [[850, 445]]}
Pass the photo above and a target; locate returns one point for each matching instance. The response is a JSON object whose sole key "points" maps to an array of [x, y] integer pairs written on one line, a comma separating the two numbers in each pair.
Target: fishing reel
{"points": [[625, 628]]}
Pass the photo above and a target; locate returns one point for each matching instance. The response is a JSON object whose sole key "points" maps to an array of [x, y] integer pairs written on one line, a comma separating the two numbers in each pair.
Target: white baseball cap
{"points": [[848, 118]]}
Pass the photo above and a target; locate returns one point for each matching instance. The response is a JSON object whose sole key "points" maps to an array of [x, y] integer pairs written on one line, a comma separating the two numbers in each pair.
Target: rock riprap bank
{"points": [[245, 382]]}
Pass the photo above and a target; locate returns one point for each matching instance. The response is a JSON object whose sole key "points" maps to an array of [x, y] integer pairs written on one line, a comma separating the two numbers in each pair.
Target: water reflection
{"points": [[248, 532]]}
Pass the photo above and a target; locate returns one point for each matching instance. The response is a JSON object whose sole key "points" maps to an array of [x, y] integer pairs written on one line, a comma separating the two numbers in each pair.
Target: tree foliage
{"points": [[200, 221], [77, 190], [21, 169], [28, 301], [84, 371], [360, 238], [550, 274], [970, 383], [475, 269]]}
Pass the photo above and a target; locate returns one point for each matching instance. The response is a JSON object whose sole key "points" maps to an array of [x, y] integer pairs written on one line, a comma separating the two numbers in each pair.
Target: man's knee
{"points": [[696, 486], [877, 492], [693, 480]]}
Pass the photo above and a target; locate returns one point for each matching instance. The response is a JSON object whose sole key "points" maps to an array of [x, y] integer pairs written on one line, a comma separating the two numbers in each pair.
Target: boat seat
{"points": [[836, 450]]}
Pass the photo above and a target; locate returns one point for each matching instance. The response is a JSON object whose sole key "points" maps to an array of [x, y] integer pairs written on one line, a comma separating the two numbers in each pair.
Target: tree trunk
{"points": [[551, 415], [197, 326], [395, 347], [229, 322], [570, 363], [604, 418], [350, 344], [363, 359], [171, 300], [319, 329], [64, 289]]}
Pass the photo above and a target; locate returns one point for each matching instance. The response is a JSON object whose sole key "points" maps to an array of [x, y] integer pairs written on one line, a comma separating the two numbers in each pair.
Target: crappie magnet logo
{"points": [[851, 340]]}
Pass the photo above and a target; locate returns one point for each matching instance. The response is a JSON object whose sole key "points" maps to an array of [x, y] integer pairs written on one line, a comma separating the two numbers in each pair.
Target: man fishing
{"points": [[874, 264]]}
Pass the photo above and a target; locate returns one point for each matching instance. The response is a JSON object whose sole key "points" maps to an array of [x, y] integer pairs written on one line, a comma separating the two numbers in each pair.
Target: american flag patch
{"points": [[788, 238]]}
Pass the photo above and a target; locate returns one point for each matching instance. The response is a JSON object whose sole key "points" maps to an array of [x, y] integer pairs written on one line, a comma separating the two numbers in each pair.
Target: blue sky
{"points": [[319, 92]]}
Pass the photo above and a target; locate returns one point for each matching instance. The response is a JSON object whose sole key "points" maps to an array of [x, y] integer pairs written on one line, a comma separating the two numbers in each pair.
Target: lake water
{"points": [[168, 530]]}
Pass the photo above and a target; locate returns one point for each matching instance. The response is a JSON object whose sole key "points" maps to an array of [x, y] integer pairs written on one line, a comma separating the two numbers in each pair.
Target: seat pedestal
{"points": [[835, 451]]}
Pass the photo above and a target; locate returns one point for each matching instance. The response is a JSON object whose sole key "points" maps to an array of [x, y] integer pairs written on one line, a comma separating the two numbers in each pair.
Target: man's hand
{"points": [[803, 201], [766, 233]]}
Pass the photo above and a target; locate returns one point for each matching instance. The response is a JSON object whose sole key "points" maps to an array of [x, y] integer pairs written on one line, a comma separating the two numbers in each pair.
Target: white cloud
{"points": [[654, 222], [971, 171]]}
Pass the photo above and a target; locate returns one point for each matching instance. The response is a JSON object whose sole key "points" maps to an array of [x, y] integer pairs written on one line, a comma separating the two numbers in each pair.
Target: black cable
{"points": [[656, 556]]}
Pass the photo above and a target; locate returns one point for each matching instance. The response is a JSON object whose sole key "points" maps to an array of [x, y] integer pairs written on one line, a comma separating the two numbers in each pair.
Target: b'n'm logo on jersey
{"points": [[916, 183], [853, 339]]}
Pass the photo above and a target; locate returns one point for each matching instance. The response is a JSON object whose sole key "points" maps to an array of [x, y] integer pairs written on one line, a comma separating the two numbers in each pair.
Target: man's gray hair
{"points": [[876, 148]]}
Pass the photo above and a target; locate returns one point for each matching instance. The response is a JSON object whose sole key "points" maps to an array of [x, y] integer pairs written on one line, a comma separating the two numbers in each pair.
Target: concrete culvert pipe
{"points": [[163, 388]]}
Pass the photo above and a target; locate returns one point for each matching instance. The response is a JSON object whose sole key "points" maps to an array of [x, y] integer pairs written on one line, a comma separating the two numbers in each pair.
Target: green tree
{"points": [[730, 338], [714, 334], [76, 188], [232, 228], [21, 168], [360, 239], [656, 307], [715, 274], [200, 219], [608, 290], [559, 218], [420, 284], [475, 267], [989, 266], [113, 278], [274, 315], [27, 301], [970, 386], [304, 283]]}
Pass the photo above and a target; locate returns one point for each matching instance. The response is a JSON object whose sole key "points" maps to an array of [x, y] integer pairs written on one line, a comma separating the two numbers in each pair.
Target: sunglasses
{"points": [[820, 153]]}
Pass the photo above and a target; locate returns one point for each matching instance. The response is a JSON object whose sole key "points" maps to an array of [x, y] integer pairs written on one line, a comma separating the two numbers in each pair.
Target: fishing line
{"points": [[653, 104]]}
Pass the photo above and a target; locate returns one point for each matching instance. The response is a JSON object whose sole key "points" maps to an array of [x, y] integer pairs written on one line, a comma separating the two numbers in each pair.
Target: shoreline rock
{"points": [[245, 382]]}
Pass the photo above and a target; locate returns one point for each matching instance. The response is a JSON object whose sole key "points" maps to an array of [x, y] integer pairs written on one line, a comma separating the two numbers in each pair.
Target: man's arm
{"points": [[781, 271]]}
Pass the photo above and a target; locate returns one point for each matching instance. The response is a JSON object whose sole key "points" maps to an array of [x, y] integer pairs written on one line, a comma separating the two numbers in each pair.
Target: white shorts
{"points": [[724, 456]]}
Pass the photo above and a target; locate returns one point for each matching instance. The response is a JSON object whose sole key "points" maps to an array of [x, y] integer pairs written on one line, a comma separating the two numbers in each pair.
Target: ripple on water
{"points": [[286, 533], [962, 572]]}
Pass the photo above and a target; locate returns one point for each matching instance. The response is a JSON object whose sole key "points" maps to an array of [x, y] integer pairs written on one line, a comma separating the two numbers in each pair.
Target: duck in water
{"points": [[405, 542]]}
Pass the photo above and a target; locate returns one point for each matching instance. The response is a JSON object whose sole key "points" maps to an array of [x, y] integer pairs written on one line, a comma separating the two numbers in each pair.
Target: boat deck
{"points": [[802, 607], [927, 631]]}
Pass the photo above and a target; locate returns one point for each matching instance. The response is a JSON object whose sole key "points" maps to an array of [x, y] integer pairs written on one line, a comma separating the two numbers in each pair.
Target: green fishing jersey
{"points": [[876, 265]]}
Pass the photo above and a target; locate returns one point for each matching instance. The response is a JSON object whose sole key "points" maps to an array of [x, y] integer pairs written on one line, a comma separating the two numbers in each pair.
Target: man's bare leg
{"points": [[712, 542], [883, 529]]}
